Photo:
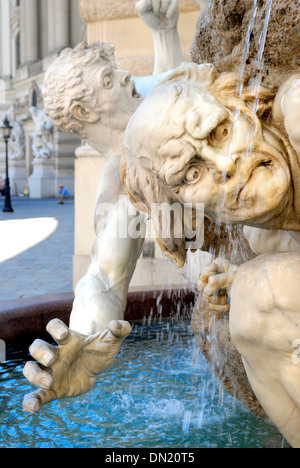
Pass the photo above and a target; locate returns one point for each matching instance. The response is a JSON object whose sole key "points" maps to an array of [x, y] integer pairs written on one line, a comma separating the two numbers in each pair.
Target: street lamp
{"points": [[6, 129]]}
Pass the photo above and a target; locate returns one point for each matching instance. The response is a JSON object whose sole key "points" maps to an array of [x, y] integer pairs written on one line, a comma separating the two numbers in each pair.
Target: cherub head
{"points": [[202, 137], [83, 88]]}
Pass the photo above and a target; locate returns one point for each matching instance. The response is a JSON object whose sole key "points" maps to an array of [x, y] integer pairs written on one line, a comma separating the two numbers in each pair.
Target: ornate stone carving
{"points": [[16, 144], [201, 152], [42, 141], [243, 162]]}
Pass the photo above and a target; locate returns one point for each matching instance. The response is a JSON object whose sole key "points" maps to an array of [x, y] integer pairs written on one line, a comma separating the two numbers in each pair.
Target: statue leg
{"points": [[265, 328]]}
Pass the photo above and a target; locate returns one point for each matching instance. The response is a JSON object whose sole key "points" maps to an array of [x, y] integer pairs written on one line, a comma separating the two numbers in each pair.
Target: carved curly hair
{"points": [[64, 83]]}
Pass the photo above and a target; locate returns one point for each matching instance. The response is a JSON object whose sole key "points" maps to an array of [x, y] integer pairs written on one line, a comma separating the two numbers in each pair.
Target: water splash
{"points": [[259, 21], [247, 48], [255, 23], [259, 60]]}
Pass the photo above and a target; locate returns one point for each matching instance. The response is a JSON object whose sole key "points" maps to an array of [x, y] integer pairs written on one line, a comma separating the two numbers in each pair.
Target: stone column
{"points": [[42, 181], [62, 23], [88, 166], [64, 147], [51, 25], [58, 24], [5, 38], [29, 31], [23, 31], [17, 176]]}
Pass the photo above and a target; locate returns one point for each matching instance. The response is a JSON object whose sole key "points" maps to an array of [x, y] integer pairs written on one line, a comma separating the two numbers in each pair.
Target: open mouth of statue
{"points": [[135, 94]]}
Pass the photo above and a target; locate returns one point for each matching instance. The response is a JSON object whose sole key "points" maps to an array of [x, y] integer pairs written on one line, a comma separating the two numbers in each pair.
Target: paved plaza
{"points": [[36, 248]]}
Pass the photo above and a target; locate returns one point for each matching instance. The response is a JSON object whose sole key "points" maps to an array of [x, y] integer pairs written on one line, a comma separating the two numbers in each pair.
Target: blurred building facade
{"points": [[32, 34]]}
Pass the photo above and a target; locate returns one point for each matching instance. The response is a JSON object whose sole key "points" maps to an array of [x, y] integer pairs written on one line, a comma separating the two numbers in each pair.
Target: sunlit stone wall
{"points": [[116, 21]]}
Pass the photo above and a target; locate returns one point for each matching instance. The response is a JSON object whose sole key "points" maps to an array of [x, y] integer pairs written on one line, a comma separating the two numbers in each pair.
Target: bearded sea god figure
{"points": [[239, 154]]}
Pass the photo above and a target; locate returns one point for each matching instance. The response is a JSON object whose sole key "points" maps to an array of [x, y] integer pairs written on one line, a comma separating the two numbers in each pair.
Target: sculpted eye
{"points": [[107, 82], [193, 175], [221, 134]]}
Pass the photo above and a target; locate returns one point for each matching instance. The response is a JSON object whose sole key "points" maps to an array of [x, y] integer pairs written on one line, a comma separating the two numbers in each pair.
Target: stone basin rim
{"points": [[24, 320]]}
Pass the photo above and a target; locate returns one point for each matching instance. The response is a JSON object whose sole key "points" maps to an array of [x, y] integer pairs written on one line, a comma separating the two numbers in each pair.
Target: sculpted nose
{"points": [[125, 78], [225, 166]]}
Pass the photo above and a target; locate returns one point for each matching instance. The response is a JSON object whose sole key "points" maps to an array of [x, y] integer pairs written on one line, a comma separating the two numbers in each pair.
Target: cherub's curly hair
{"points": [[64, 83]]}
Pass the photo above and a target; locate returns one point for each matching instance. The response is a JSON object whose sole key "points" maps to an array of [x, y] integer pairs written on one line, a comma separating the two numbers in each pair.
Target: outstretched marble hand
{"points": [[158, 14], [215, 282], [70, 369]]}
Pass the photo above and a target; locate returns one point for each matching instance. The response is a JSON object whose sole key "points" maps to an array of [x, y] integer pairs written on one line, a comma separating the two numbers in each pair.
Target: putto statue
{"points": [[42, 144], [16, 144]]}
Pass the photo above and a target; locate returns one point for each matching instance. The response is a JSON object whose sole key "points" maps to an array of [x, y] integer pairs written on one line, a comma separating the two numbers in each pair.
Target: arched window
{"points": [[18, 50], [34, 98], [34, 94]]}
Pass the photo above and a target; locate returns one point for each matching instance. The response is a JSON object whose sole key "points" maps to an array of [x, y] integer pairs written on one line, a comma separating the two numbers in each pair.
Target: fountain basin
{"points": [[160, 391], [24, 320]]}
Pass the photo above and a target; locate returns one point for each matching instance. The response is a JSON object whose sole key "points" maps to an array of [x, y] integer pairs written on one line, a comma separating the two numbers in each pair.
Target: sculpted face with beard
{"points": [[197, 139], [194, 140]]}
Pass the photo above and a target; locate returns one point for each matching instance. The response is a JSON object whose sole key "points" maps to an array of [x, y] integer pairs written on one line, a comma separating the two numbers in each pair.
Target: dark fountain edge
{"points": [[24, 320]]}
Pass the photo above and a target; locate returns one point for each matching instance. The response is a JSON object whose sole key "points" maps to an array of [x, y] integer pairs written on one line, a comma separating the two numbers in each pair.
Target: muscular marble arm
{"points": [[97, 328], [217, 278], [162, 17], [264, 326], [101, 295]]}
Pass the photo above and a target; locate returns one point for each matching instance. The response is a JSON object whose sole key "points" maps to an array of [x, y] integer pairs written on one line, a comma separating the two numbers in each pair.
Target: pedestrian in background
{"points": [[63, 193]]}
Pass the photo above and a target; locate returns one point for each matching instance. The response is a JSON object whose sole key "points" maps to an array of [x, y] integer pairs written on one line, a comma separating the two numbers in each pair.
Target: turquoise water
{"points": [[159, 393]]}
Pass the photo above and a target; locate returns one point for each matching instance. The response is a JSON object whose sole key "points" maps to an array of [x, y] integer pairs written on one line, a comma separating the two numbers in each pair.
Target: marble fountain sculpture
{"points": [[16, 144], [201, 154], [42, 145], [85, 94], [238, 153]]}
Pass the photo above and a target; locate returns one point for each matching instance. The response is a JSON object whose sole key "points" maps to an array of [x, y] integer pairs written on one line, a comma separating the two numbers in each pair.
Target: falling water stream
{"points": [[255, 82], [247, 47], [217, 357]]}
